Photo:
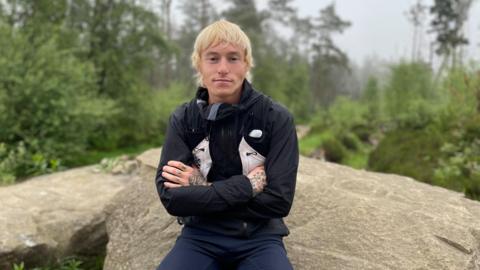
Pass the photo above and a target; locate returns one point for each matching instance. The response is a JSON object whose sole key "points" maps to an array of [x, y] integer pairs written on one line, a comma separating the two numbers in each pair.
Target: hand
{"points": [[178, 174], [258, 179]]}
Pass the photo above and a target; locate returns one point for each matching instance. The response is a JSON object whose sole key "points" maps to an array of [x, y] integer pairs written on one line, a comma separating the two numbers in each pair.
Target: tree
{"points": [[447, 24], [410, 98], [198, 14], [417, 15], [121, 39], [124, 39], [371, 97], [48, 102], [327, 57], [281, 11], [246, 14]]}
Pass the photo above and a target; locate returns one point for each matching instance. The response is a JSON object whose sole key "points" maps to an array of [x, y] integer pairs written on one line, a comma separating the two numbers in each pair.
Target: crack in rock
{"points": [[454, 244]]}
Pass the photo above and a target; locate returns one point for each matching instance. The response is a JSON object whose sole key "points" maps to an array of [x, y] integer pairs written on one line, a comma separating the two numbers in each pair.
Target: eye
{"points": [[212, 59], [234, 58]]}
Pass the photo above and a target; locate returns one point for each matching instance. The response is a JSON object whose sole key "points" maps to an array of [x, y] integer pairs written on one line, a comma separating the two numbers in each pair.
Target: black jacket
{"points": [[227, 141]]}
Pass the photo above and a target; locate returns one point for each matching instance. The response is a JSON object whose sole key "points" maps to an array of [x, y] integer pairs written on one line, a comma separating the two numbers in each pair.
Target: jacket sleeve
{"points": [[281, 167], [196, 200]]}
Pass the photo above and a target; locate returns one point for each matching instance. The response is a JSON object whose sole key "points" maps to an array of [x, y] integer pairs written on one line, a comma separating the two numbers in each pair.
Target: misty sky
{"points": [[381, 28]]}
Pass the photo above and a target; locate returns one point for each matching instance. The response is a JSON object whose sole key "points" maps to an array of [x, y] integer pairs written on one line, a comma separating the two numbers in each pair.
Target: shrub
{"points": [[350, 141], [334, 150], [363, 132], [346, 113], [313, 141], [459, 165], [47, 102], [410, 97], [408, 152]]}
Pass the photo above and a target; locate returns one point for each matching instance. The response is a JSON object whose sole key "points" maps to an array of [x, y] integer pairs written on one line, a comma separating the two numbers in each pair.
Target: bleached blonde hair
{"points": [[216, 33]]}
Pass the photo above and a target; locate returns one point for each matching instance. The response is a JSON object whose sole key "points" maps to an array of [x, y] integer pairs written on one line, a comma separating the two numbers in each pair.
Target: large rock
{"points": [[57, 215], [341, 219], [141, 232]]}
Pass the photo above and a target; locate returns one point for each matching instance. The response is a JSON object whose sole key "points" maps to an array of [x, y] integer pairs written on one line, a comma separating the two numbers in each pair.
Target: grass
{"points": [[312, 142], [356, 159], [69, 263]]}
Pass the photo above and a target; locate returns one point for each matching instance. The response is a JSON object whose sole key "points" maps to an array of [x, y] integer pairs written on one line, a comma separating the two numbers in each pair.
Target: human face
{"points": [[223, 69]]}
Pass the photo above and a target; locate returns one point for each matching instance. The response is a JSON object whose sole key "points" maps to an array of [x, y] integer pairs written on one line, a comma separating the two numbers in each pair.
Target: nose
{"points": [[223, 66]]}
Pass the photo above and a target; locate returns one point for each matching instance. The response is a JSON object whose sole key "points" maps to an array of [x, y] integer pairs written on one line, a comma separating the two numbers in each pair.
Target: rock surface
{"points": [[56, 215], [141, 231], [341, 219]]}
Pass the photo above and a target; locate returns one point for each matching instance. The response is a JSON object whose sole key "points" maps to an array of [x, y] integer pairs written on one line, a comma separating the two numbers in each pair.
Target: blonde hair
{"points": [[218, 32]]}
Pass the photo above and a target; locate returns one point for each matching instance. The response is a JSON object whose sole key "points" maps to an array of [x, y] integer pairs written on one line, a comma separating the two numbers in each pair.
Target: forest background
{"points": [[81, 80]]}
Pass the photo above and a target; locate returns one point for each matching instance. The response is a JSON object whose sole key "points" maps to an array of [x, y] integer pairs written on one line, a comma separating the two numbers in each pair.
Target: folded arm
{"points": [[183, 192]]}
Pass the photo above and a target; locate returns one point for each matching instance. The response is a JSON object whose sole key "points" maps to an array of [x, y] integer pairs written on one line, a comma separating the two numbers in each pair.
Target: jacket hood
{"points": [[218, 111]]}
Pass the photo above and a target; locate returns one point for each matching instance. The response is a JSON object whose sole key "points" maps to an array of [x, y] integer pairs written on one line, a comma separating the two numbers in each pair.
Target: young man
{"points": [[229, 163]]}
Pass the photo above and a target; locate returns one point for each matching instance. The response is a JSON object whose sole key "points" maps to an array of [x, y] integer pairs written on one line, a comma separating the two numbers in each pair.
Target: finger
{"points": [[171, 185], [171, 177], [172, 170], [257, 169], [179, 165]]}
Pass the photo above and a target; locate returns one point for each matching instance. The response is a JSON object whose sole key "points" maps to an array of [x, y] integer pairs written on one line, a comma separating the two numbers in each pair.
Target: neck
{"points": [[228, 100]]}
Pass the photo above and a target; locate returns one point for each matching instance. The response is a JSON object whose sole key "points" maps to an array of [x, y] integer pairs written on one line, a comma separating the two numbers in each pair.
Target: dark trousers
{"points": [[200, 250]]}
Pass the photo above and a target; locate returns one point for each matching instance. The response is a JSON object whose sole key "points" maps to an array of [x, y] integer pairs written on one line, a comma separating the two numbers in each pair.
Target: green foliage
{"points": [[313, 141], [166, 100], [94, 156], [350, 141], [408, 152], [73, 77], [447, 24], [69, 263], [371, 97], [328, 60], [342, 132], [444, 149], [78, 81], [345, 148], [142, 119], [19, 161], [459, 165], [460, 95], [286, 81], [343, 115], [410, 98], [46, 98], [124, 40], [357, 160], [295, 84], [334, 150], [20, 266], [363, 132], [346, 113], [7, 165]]}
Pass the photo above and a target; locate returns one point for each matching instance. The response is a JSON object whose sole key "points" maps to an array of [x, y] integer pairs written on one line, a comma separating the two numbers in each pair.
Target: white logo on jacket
{"points": [[250, 157]]}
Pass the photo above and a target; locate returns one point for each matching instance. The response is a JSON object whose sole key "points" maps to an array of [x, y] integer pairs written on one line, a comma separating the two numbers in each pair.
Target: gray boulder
{"points": [[141, 232], [54, 216], [342, 218]]}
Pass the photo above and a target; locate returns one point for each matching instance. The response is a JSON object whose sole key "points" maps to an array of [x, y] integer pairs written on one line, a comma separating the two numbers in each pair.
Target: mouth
{"points": [[222, 80]]}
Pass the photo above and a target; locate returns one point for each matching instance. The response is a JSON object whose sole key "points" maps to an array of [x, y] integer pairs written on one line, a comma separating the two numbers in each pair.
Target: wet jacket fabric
{"points": [[226, 142]]}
